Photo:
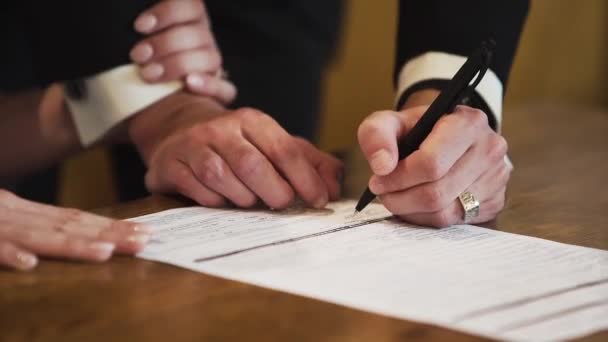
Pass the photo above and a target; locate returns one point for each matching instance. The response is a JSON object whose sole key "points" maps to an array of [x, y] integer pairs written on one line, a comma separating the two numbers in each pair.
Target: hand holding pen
{"points": [[424, 182]]}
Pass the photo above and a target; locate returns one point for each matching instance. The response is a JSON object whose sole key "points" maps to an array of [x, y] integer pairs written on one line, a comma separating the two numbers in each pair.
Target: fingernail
{"points": [[321, 202], [140, 228], [145, 23], [102, 249], [141, 53], [152, 71], [139, 239], [195, 81], [26, 261], [375, 185]]}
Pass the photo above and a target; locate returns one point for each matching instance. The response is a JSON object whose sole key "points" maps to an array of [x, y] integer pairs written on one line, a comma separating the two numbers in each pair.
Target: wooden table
{"points": [[559, 191]]}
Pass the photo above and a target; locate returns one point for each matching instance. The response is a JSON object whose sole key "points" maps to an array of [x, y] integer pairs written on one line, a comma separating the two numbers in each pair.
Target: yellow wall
{"points": [[562, 58]]}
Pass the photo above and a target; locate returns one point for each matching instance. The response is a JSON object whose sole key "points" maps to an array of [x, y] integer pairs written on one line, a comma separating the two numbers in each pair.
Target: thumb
{"points": [[378, 135]]}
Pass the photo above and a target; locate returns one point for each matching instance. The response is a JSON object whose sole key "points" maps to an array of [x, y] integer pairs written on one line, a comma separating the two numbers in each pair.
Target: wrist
{"points": [[55, 122], [423, 97], [149, 127]]}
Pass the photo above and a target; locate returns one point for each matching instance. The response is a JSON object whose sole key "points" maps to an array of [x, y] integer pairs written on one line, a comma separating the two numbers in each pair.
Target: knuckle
{"points": [[432, 197], [73, 215], [250, 115], [284, 149], [370, 126], [198, 134], [497, 147], [432, 166], [211, 170], [477, 117], [69, 216], [250, 164]]}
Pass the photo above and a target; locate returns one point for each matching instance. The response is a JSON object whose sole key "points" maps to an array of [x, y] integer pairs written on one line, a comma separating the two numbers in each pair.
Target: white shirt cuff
{"points": [[440, 65], [110, 97]]}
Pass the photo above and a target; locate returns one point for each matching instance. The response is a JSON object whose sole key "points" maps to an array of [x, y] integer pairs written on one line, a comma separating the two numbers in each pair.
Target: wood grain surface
{"points": [[559, 191]]}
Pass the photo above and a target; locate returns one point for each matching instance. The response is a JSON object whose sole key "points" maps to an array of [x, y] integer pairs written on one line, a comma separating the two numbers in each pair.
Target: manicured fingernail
{"points": [[145, 23], [195, 81], [102, 249], [381, 162], [139, 239], [152, 71], [141, 53], [26, 261]]}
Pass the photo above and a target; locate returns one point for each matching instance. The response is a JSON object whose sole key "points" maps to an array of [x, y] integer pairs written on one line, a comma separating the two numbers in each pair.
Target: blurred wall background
{"points": [[562, 59]]}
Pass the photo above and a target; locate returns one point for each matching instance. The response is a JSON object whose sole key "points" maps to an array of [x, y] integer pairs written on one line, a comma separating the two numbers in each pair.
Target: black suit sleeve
{"points": [[70, 39], [458, 27]]}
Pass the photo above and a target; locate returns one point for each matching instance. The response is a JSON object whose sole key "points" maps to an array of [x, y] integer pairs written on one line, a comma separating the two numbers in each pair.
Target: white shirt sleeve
{"points": [[110, 97], [440, 65]]}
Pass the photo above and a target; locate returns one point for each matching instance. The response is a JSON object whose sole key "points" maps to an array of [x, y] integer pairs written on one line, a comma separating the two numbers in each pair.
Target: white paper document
{"points": [[466, 278]]}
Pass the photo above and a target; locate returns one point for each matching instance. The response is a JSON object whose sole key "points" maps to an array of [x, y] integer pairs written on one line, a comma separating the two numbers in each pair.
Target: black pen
{"points": [[458, 88]]}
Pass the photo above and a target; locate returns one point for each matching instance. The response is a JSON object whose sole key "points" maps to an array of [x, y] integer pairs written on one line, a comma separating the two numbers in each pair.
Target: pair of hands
{"points": [[244, 155], [194, 146]]}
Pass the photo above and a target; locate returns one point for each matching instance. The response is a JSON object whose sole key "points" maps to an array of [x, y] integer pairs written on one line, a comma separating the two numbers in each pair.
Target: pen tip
{"points": [[356, 213]]}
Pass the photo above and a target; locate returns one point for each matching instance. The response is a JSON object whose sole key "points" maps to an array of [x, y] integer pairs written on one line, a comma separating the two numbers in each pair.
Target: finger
{"points": [[285, 154], [172, 41], [15, 257], [207, 85], [454, 214], [179, 65], [254, 170], [449, 140], [170, 13], [437, 195], [330, 169], [211, 170], [57, 244], [378, 135], [179, 177], [489, 190], [129, 237]]}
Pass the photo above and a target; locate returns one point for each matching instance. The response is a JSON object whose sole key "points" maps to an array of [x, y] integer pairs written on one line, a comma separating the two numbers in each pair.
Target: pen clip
{"points": [[486, 59]]}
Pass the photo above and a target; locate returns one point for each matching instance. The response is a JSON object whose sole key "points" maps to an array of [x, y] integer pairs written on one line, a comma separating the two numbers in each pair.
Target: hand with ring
{"points": [[459, 172]]}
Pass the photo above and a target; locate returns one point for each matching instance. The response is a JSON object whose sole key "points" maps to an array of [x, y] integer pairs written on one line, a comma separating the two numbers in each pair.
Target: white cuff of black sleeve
{"points": [[443, 66], [104, 100]]}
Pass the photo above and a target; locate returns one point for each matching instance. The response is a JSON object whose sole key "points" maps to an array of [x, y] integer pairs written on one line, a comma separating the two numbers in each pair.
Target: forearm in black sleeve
{"points": [[71, 39], [458, 27], [449, 30]]}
